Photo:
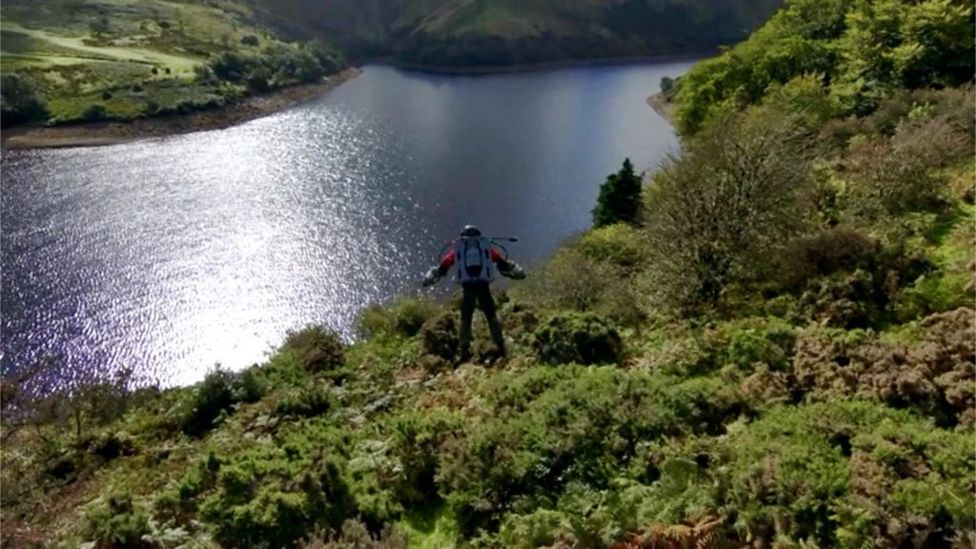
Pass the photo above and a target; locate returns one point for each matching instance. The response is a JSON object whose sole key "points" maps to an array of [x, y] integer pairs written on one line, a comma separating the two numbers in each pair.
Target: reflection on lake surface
{"points": [[170, 255]]}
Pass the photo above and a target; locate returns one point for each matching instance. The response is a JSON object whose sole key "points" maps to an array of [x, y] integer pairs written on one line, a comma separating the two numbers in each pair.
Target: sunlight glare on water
{"points": [[168, 256]]}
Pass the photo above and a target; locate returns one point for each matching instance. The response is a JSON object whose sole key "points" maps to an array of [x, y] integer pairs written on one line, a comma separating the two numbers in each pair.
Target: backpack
{"points": [[472, 255]]}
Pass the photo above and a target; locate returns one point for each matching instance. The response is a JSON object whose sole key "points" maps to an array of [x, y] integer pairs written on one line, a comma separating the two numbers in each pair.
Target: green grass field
{"points": [[133, 58]]}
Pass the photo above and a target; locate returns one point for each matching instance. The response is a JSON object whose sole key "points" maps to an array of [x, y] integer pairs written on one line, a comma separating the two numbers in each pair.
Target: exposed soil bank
{"points": [[112, 133], [662, 106]]}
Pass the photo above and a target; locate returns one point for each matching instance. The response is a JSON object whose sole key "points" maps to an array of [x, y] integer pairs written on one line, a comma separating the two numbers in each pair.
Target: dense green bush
{"points": [[94, 113], [569, 279], [894, 44], [213, 396], [769, 342], [304, 402], [866, 51], [404, 317], [319, 349], [274, 66], [899, 174], [826, 252], [545, 430], [717, 214], [440, 335], [584, 338], [575, 425], [20, 100], [276, 496], [117, 523], [619, 244], [419, 442]]}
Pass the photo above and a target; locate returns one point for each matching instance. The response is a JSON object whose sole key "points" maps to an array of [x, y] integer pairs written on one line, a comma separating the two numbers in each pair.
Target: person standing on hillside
{"points": [[476, 257]]}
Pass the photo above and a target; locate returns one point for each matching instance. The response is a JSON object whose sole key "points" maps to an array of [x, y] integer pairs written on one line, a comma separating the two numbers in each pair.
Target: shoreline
{"points": [[662, 106], [541, 66], [114, 133], [95, 134]]}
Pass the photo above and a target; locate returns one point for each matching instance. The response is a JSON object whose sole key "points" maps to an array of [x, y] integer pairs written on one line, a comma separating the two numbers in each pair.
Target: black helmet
{"points": [[470, 230]]}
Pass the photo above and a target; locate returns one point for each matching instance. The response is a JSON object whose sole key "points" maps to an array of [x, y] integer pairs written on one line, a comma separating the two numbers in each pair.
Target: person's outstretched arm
{"points": [[507, 267], [442, 268]]}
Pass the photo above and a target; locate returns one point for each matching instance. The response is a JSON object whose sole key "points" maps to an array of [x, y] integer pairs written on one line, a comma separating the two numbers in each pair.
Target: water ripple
{"points": [[170, 255]]}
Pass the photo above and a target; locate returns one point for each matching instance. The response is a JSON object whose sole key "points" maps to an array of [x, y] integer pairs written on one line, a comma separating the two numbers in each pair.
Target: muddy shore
{"points": [[113, 133], [663, 107]]}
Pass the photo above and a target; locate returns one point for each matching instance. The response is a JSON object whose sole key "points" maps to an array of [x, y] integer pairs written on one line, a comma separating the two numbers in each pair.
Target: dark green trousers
{"points": [[478, 293]]}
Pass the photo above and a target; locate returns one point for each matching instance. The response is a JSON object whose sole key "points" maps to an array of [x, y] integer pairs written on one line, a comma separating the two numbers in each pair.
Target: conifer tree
{"points": [[619, 200]]}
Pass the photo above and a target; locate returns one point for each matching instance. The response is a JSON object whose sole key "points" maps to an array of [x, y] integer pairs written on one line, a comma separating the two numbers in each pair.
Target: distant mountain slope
{"points": [[68, 61], [504, 32], [71, 60]]}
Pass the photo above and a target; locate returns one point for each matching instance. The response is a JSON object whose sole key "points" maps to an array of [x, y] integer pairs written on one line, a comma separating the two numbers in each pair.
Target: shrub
{"points": [[669, 87], [276, 496], [94, 113], [109, 446], [521, 458], [719, 211], [619, 199], [250, 385], [568, 280], [213, 396], [935, 376], [584, 338], [519, 320], [250, 40], [803, 473], [807, 96], [304, 402], [839, 473], [545, 430], [20, 100], [440, 335], [619, 244], [900, 174], [231, 66], [770, 343], [319, 349], [117, 523], [404, 317], [355, 535], [418, 442], [536, 529], [827, 252], [259, 80]]}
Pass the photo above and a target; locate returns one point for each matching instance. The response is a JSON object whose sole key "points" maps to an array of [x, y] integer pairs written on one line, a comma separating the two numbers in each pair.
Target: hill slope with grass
{"points": [[778, 349], [67, 61], [487, 33], [94, 60]]}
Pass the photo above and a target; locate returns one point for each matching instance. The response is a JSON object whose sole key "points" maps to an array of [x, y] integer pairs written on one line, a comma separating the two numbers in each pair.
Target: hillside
{"points": [[478, 33], [66, 61], [778, 351], [93, 60]]}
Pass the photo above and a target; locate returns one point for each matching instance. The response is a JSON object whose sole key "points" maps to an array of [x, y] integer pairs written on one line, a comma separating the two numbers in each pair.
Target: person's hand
{"points": [[430, 278], [515, 272]]}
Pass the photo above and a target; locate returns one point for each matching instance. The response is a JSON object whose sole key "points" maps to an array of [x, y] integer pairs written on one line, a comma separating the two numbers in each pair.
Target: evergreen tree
{"points": [[619, 199]]}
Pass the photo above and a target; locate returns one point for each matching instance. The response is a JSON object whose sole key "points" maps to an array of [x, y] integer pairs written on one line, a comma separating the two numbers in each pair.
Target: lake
{"points": [[167, 256]]}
